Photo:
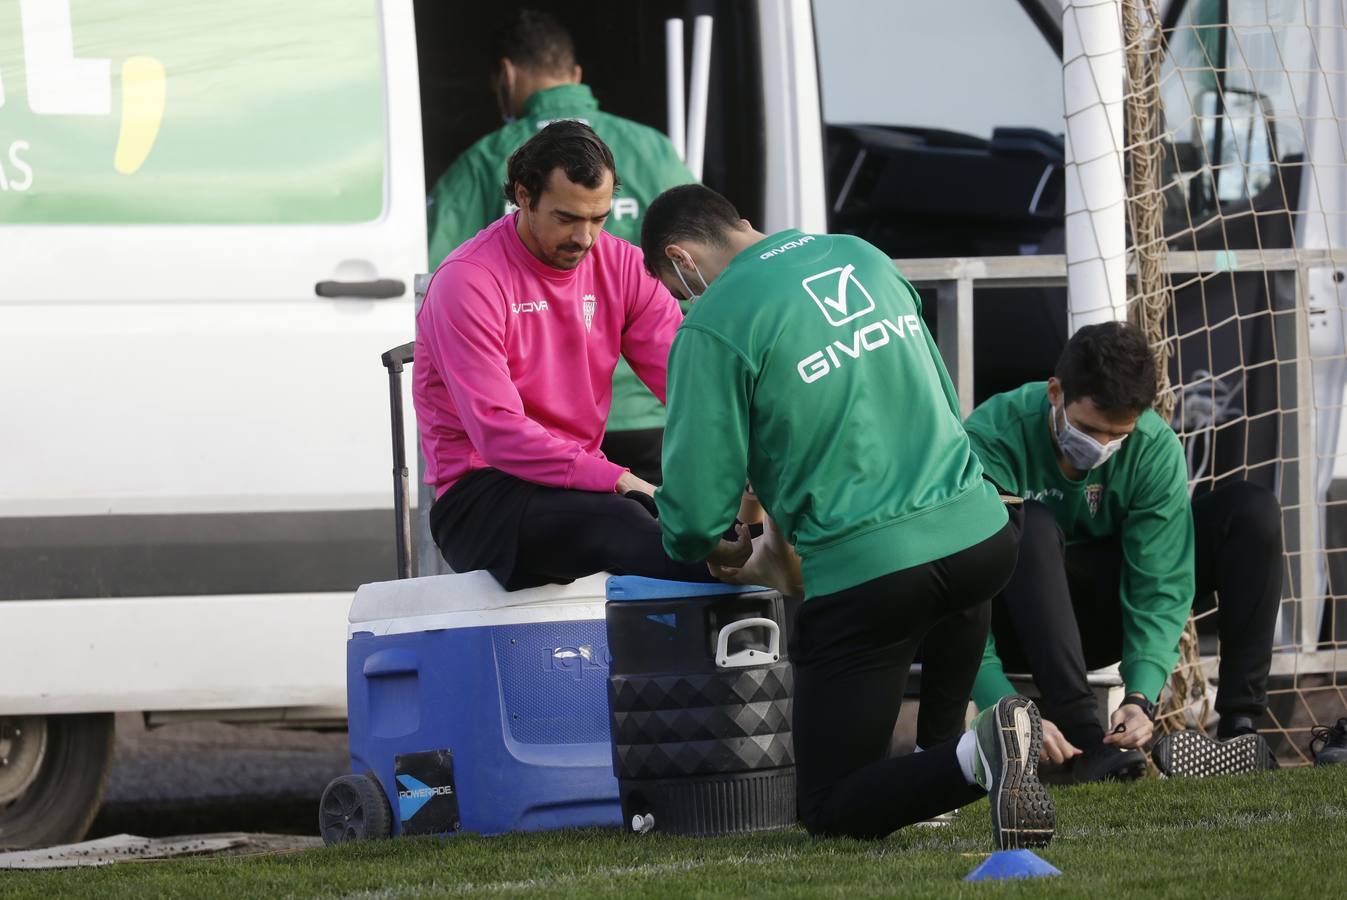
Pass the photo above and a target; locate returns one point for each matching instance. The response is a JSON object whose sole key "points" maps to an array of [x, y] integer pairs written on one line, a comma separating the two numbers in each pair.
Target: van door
{"points": [[210, 218]]}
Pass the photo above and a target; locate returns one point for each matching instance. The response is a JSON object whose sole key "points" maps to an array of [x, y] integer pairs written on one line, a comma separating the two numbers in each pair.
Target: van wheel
{"points": [[354, 808], [53, 770]]}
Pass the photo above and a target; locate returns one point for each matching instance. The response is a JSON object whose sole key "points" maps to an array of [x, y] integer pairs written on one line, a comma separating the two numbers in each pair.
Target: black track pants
{"points": [[852, 652], [1239, 558], [1060, 614], [526, 534], [569, 534]]}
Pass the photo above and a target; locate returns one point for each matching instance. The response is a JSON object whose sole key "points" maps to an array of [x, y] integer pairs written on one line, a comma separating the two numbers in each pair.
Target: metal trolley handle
{"points": [[747, 657], [394, 360]]}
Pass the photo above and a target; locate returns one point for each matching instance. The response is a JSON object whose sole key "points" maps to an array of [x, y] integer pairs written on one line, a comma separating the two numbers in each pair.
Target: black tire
{"points": [[354, 808], [60, 803]]}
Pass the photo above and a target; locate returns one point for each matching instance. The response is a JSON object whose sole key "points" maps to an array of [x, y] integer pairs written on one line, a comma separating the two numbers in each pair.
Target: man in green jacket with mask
{"points": [[804, 367], [1112, 550], [537, 82]]}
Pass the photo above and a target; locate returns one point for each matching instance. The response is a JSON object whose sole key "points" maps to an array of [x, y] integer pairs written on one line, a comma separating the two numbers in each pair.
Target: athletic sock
{"points": [[968, 745]]}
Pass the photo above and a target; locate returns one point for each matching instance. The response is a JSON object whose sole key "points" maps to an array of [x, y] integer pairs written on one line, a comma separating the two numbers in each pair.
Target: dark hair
{"points": [[533, 40], [568, 145], [689, 212], [1111, 363]]}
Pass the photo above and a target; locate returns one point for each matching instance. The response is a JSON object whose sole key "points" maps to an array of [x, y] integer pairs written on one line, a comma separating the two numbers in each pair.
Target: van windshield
{"points": [[1237, 104], [958, 65], [943, 127]]}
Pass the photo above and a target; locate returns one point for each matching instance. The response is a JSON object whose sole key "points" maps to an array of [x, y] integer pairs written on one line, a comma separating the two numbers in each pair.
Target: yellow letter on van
{"points": [[143, 87]]}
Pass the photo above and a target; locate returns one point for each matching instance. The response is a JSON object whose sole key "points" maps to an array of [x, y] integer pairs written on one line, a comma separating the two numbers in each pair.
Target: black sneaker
{"points": [[1103, 762], [1009, 736], [1192, 754], [1233, 726], [1331, 744]]}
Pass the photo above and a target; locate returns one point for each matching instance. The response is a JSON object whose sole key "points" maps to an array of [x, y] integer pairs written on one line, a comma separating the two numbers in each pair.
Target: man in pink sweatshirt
{"points": [[516, 344]]}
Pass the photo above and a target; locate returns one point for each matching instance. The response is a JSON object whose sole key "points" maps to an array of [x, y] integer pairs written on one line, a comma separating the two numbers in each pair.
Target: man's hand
{"points": [[1137, 728], [628, 482], [774, 564], [732, 554], [1056, 748]]}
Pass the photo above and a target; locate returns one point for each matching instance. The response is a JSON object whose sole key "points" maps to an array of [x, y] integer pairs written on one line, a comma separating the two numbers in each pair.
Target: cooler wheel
{"points": [[354, 808]]}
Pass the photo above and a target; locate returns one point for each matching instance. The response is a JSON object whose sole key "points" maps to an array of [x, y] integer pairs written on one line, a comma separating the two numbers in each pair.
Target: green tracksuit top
{"points": [[1139, 496], [468, 197], [806, 369]]}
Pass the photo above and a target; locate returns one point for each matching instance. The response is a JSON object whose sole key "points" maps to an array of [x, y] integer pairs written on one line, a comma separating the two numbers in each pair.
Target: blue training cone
{"points": [[1006, 864]]}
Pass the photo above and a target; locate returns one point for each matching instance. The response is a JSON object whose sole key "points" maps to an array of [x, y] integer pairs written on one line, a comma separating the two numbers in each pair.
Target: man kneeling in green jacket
{"points": [[804, 368]]}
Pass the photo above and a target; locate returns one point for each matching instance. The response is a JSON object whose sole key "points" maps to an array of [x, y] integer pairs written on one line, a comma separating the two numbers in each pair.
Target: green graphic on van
{"points": [[59, 84], [191, 111]]}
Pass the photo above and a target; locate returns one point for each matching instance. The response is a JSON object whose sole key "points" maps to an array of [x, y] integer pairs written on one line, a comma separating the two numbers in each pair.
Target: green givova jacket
{"points": [[1140, 497], [806, 368], [468, 197]]}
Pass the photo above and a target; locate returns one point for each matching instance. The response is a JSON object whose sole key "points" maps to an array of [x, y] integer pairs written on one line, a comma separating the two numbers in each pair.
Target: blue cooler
{"points": [[476, 709]]}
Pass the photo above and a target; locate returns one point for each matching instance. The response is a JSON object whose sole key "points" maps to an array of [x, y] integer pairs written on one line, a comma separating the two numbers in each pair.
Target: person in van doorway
{"points": [[1111, 551], [536, 81], [515, 348], [804, 367]]}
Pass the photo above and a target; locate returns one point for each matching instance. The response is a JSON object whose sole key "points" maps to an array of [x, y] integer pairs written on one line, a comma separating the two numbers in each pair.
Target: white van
{"points": [[211, 216]]}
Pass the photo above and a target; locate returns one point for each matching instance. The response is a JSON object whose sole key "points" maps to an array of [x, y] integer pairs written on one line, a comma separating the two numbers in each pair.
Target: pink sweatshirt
{"points": [[514, 358]]}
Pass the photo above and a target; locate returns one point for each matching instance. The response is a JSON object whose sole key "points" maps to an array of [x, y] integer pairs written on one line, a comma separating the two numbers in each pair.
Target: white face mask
{"points": [[1082, 452], [692, 298]]}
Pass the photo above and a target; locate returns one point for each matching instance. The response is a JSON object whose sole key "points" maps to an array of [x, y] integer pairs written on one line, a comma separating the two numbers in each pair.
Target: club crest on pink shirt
{"points": [[589, 310]]}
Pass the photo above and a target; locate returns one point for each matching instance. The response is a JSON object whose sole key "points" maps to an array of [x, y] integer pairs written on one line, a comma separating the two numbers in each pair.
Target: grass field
{"points": [[1281, 834]]}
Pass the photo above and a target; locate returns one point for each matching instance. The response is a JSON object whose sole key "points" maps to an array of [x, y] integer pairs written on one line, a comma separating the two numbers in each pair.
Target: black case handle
{"points": [[379, 289]]}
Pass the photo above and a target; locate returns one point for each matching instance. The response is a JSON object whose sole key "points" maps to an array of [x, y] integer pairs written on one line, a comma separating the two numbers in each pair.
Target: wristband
{"points": [[1142, 701]]}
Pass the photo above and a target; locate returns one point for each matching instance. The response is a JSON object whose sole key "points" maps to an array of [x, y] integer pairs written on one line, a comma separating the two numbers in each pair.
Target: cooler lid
{"points": [[634, 587], [460, 593]]}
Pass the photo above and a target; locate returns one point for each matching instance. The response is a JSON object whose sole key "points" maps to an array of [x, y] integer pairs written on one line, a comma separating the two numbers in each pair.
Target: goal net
{"points": [[1234, 158]]}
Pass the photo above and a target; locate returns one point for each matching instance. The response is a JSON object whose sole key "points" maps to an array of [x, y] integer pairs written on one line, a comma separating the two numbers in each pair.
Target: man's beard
{"points": [[558, 257], [567, 256]]}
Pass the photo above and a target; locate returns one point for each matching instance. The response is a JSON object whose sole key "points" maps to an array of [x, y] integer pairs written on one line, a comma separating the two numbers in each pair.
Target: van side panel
{"points": [[190, 172]]}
